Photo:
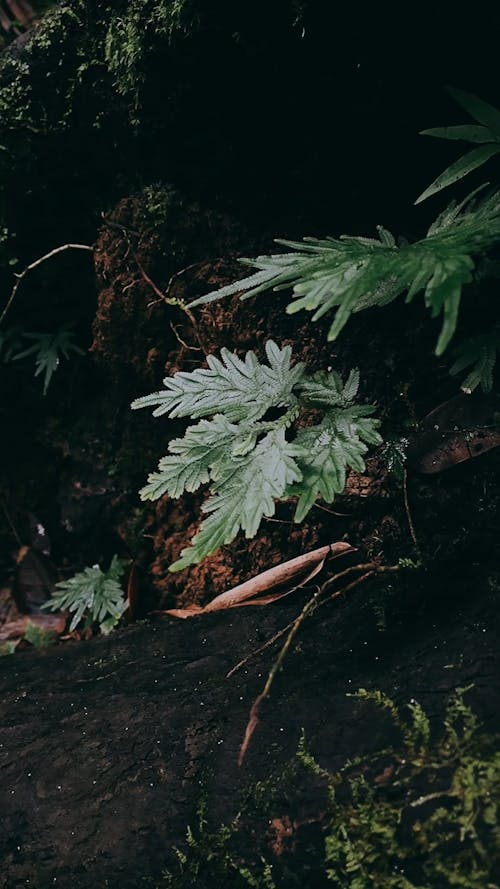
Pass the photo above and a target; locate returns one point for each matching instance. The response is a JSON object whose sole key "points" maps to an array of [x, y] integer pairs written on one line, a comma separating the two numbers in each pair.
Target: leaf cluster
{"points": [[93, 595], [46, 348], [478, 353], [348, 274], [248, 460], [485, 131]]}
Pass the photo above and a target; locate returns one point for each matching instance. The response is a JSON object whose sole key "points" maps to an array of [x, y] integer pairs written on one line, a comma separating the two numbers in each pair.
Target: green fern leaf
{"points": [[481, 353], [487, 133], [93, 594], [462, 167], [347, 275], [233, 387], [187, 466], [245, 491], [323, 472], [480, 110], [465, 133], [325, 389], [247, 460], [47, 349]]}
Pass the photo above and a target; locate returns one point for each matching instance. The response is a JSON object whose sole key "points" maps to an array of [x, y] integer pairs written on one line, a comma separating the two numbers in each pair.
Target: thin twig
{"points": [[318, 595], [180, 273], [254, 710], [408, 512], [19, 277], [258, 651], [172, 300], [122, 228], [369, 569], [332, 511], [182, 342]]}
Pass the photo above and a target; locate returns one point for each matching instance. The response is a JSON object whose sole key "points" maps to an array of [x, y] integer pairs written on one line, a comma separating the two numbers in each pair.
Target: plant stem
{"points": [[33, 265]]}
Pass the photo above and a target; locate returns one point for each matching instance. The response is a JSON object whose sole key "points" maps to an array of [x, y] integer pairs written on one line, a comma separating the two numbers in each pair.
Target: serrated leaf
{"points": [[187, 466], [326, 389], [244, 494], [328, 450], [386, 237], [347, 275], [323, 473], [253, 282], [464, 165], [481, 353], [92, 593], [249, 464], [237, 388], [47, 349]]}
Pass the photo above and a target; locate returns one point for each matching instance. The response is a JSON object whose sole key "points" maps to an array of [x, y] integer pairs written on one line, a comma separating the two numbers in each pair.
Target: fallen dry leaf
{"points": [[54, 623], [457, 430], [248, 593]]}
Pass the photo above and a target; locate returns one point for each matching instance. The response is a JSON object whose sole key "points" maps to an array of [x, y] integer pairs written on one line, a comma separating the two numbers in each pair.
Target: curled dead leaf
{"points": [[50, 623], [302, 568], [457, 430]]}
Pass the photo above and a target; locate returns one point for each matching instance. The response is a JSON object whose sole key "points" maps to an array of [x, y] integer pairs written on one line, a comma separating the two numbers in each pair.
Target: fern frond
{"points": [[462, 167], [92, 593], [481, 353], [233, 387], [187, 466], [244, 492], [246, 459], [328, 449], [346, 275], [326, 389], [487, 134], [47, 349]]}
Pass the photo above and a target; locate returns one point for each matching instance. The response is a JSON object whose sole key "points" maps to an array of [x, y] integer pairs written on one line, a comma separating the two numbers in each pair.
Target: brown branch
{"points": [[183, 342], [408, 512], [122, 228], [173, 300], [258, 651], [29, 268], [253, 719]]}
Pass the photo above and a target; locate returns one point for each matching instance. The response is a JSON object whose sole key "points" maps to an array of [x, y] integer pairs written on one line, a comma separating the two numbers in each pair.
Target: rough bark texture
{"points": [[107, 747]]}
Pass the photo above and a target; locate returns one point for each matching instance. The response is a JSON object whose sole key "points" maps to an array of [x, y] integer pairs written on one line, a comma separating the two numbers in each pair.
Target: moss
{"points": [[15, 95], [129, 37], [420, 814], [49, 53], [208, 860]]}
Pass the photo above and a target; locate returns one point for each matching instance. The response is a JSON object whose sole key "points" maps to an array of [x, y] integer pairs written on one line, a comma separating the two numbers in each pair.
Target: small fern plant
{"points": [[92, 595], [256, 448], [47, 350]]}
